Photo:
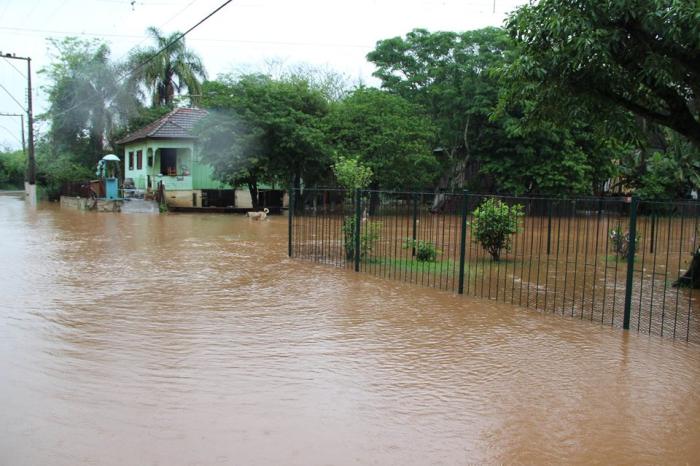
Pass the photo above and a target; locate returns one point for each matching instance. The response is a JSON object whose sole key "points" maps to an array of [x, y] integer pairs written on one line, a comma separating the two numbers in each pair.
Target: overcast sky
{"points": [[246, 33]]}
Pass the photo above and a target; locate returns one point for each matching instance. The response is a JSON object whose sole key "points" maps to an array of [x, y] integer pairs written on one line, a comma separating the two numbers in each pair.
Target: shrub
{"points": [[619, 241], [369, 234], [12, 167], [52, 173], [425, 250], [493, 224]]}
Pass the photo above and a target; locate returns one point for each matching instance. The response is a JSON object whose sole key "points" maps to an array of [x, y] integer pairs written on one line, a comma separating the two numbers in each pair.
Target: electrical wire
{"points": [[177, 39], [151, 58], [11, 134], [197, 39], [16, 69], [13, 97]]}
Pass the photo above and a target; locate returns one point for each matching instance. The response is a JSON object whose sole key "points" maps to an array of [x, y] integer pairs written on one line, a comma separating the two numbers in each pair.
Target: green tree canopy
{"points": [[448, 74], [453, 76], [12, 167], [265, 130], [86, 99], [351, 173], [641, 56], [166, 72], [386, 133]]}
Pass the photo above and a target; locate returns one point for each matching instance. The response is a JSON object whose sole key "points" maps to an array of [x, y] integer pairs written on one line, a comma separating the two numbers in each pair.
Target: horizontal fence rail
{"points": [[618, 261]]}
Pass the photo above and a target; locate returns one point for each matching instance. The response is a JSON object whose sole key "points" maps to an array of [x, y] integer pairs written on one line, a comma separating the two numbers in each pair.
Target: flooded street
{"points": [[185, 339]]}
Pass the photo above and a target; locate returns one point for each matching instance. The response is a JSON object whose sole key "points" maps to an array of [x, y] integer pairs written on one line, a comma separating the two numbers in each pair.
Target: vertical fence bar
{"points": [[290, 210], [415, 224], [549, 226], [356, 232], [630, 263], [463, 243]]}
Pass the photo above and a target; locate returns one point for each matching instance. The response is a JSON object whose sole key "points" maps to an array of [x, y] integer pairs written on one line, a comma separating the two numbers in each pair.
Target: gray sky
{"points": [[246, 33]]}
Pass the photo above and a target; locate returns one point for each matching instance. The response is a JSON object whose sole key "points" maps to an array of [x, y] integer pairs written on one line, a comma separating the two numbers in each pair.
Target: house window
{"points": [[139, 160], [131, 160], [149, 160], [168, 162]]}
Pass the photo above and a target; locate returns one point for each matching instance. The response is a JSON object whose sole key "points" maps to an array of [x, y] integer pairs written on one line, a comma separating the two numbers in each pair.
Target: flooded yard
{"points": [[182, 339]]}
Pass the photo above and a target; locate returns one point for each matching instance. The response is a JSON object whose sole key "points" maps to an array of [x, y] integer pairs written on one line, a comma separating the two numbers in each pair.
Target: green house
{"points": [[165, 152]]}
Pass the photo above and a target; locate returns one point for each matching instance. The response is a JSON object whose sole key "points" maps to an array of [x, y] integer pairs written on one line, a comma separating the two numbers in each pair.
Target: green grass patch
{"points": [[435, 267]]}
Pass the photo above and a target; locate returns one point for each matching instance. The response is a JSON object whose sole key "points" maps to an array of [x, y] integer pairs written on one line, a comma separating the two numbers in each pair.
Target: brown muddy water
{"points": [[184, 339]]}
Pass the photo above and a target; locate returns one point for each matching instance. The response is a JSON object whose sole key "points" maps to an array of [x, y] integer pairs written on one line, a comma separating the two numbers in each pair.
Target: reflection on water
{"points": [[192, 339]]}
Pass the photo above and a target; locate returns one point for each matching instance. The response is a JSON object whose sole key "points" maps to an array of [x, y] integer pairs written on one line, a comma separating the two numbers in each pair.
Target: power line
{"points": [[178, 13], [131, 3], [15, 68], [177, 39], [197, 39], [143, 38], [152, 57], [21, 125], [11, 134], [13, 97], [31, 161]]}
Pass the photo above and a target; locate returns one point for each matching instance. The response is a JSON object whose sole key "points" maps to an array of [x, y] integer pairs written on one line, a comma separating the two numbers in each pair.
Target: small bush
{"points": [[12, 167], [425, 250], [619, 241], [369, 234], [493, 224]]}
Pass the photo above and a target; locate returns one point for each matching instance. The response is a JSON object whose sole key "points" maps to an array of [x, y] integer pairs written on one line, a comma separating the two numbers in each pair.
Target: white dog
{"points": [[259, 215]]}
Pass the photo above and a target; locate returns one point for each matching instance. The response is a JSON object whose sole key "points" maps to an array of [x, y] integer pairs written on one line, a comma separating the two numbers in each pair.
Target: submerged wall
{"points": [[99, 205]]}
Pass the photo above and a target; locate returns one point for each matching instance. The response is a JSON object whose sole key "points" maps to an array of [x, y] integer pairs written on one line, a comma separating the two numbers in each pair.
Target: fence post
{"points": [[463, 243], [415, 222], [356, 234], [630, 262], [290, 212], [549, 226]]}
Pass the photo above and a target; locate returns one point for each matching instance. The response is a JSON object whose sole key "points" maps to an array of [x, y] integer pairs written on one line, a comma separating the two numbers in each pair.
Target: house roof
{"points": [[177, 124]]}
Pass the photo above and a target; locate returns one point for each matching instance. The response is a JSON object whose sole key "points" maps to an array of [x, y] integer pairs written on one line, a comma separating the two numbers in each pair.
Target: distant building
{"points": [[165, 152]]}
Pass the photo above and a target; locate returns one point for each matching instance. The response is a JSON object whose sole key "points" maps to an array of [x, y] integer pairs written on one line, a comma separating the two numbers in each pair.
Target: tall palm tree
{"points": [[171, 71]]}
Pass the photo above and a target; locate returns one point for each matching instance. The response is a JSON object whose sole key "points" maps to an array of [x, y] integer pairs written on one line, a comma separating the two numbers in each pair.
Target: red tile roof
{"points": [[177, 124]]}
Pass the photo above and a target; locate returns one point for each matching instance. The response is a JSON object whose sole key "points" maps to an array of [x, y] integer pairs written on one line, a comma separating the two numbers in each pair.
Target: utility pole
{"points": [[31, 162], [24, 146]]}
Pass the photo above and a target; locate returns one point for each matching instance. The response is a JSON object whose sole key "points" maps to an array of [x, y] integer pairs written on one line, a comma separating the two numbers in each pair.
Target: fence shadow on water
{"points": [[569, 257]]}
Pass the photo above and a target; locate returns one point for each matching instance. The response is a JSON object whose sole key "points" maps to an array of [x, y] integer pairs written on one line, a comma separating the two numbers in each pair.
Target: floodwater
{"points": [[566, 266], [185, 339]]}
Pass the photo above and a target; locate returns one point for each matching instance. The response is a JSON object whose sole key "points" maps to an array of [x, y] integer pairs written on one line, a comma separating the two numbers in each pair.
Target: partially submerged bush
{"points": [[619, 241], [425, 250], [493, 224], [369, 234]]}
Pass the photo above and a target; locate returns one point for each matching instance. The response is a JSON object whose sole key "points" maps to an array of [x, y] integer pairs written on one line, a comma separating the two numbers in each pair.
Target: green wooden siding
{"points": [[200, 173]]}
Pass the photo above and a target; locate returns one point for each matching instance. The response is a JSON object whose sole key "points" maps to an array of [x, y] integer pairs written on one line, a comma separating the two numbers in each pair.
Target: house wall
{"points": [[203, 176], [200, 173], [151, 148], [184, 198], [179, 189]]}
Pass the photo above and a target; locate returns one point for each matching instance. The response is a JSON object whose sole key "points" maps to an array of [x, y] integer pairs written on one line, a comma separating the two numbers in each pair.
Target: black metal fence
{"points": [[611, 260]]}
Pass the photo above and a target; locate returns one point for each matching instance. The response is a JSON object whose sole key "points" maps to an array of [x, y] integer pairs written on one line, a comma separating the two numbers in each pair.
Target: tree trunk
{"points": [[253, 189], [445, 183], [373, 200], [691, 277]]}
